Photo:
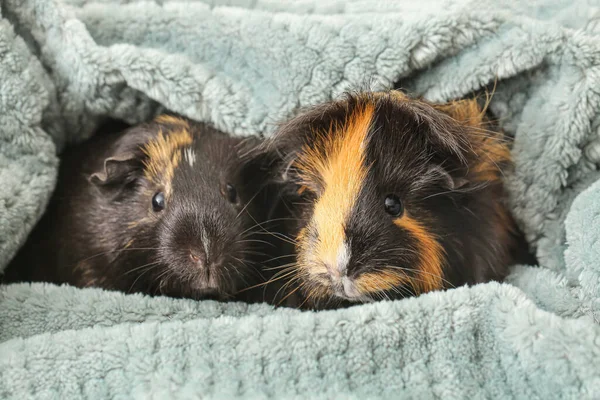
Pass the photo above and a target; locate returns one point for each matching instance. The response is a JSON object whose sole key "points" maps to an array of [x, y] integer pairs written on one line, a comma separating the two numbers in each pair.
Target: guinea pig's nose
{"points": [[333, 271], [198, 256]]}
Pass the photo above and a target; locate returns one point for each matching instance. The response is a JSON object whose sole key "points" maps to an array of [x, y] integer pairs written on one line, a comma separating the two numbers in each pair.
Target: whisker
{"points": [[138, 268], [288, 295], [240, 276], [279, 236], [274, 279], [248, 203], [255, 241], [158, 279], [253, 252], [140, 275], [269, 221], [418, 271], [280, 257], [280, 266], [120, 250], [280, 289], [262, 226]]}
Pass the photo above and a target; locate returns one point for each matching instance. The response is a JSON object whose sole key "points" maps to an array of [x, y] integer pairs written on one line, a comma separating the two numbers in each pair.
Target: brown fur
{"points": [[442, 162], [337, 160], [102, 230], [429, 268]]}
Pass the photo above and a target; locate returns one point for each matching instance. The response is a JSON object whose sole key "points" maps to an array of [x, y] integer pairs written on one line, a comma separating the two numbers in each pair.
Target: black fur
{"points": [[103, 201], [424, 157]]}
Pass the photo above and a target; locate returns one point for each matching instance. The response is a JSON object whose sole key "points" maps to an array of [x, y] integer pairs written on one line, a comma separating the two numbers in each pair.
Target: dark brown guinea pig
{"points": [[394, 197], [168, 207]]}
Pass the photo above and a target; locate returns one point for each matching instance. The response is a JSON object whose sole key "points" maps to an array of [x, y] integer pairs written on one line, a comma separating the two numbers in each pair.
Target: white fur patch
{"points": [[343, 258], [190, 156], [205, 242]]}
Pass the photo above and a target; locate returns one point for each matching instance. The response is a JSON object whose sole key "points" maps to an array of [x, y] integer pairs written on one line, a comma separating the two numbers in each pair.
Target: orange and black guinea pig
{"points": [[167, 207], [394, 197]]}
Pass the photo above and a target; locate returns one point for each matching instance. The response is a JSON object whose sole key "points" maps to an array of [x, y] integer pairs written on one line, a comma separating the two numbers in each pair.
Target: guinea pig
{"points": [[168, 207], [394, 197]]}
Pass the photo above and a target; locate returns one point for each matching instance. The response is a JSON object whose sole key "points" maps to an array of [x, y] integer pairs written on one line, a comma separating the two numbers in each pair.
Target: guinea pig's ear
{"points": [[452, 131], [302, 131], [125, 160], [439, 174], [260, 159], [484, 150], [467, 112], [116, 169]]}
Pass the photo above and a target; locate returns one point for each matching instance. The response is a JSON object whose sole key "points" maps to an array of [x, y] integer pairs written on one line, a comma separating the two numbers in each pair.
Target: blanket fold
{"points": [[243, 66]]}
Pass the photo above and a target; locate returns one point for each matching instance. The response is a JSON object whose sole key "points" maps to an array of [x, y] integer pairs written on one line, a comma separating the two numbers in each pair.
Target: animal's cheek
{"points": [[430, 255], [136, 214], [305, 248], [144, 200], [309, 189], [305, 214], [382, 280]]}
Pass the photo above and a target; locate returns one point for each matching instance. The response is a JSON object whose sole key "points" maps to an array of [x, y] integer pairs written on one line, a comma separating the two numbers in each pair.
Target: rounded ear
{"points": [[467, 112], [450, 182], [487, 152], [311, 126], [261, 157], [262, 164], [115, 170], [125, 159]]}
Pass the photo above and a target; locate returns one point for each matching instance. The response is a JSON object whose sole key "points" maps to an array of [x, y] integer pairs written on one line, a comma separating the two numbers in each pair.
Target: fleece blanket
{"points": [[244, 65]]}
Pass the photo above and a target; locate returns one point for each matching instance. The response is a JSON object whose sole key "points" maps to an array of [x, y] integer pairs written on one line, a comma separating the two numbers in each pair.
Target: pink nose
{"points": [[198, 257], [333, 271]]}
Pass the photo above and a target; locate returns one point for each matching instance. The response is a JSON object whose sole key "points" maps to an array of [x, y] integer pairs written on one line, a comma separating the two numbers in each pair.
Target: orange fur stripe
{"points": [[466, 112], [491, 153], [304, 255], [373, 282], [164, 155], [340, 164], [171, 120], [431, 255], [397, 95]]}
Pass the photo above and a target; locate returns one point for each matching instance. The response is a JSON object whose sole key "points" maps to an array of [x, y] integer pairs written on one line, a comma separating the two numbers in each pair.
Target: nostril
{"points": [[333, 271], [197, 257]]}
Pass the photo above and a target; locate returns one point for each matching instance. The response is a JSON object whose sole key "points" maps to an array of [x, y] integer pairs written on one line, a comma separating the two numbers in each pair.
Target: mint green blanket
{"points": [[244, 65]]}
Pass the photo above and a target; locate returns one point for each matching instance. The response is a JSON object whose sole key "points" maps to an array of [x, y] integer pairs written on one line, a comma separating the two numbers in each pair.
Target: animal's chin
{"points": [[210, 288], [199, 285], [209, 294], [343, 288], [361, 298], [358, 300]]}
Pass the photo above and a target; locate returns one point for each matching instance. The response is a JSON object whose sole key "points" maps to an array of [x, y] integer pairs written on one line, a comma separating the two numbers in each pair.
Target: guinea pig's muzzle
{"points": [[341, 283], [194, 247], [347, 289]]}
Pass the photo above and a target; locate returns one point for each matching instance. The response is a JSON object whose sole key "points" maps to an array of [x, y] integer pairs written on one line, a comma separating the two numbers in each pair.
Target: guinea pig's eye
{"points": [[231, 194], [393, 205], [158, 201]]}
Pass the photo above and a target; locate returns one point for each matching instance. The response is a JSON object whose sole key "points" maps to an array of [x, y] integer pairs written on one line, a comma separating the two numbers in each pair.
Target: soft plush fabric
{"points": [[244, 65]]}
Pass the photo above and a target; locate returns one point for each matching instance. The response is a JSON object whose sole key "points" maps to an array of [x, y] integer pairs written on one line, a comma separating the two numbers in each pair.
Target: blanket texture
{"points": [[244, 65]]}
